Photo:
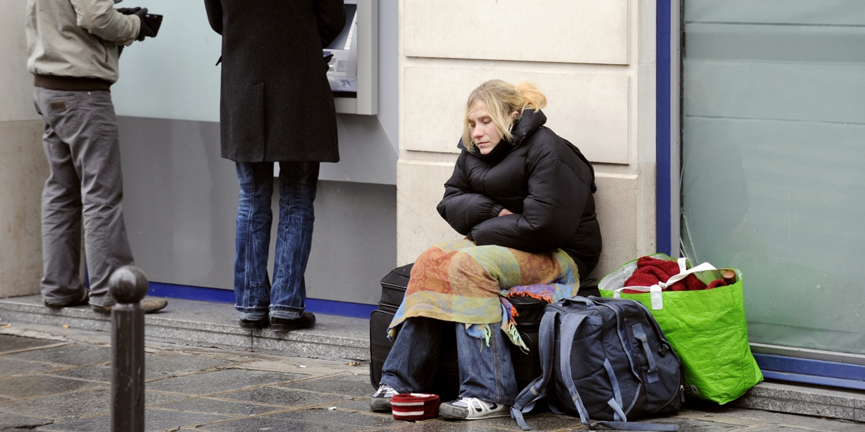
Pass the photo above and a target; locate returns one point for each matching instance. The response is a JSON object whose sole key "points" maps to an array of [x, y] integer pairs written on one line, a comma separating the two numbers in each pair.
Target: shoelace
{"points": [[384, 390], [475, 402]]}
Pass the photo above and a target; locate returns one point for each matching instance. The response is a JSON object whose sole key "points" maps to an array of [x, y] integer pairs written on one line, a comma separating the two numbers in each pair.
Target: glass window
{"points": [[773, 162]]}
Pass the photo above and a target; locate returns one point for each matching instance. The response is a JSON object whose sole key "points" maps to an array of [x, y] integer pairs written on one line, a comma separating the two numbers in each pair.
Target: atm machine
{"points": [[353, 67], [342, 71]]}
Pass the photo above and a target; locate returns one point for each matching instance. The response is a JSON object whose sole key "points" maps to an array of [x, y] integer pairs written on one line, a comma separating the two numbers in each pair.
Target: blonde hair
{"points": [[502, 99]]}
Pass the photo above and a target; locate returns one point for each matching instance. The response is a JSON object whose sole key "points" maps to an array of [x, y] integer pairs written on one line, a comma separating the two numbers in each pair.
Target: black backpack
{"points": [[606, 359]]}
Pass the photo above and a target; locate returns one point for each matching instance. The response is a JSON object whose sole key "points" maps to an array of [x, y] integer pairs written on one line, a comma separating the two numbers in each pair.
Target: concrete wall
{"points": [[22, 162], [595, 60], [180, 204]]}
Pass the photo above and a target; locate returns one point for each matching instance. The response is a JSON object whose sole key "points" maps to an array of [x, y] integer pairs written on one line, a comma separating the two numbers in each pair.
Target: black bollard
{"points": [[127, 285]]}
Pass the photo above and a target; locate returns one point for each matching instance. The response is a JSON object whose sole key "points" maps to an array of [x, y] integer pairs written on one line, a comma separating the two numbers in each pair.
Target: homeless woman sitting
{"points": [[522, 197]]}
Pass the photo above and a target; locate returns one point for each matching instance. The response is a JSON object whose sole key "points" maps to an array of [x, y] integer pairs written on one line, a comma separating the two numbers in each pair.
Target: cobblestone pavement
{"points": [[58, 379]]}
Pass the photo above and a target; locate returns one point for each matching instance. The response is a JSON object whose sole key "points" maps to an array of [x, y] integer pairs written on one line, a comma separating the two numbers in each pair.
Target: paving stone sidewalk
{"points": [[58, 379]]}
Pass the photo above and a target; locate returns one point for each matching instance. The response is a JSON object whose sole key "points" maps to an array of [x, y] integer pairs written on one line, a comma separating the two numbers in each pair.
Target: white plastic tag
{"points": [[657, 298]]}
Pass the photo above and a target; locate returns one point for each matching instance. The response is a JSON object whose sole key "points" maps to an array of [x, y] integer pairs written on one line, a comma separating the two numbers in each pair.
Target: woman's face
{"points": [[482, 129]]}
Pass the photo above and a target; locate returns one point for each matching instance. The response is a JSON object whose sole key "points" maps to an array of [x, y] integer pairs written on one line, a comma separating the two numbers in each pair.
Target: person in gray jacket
{"points": [[276, 105], [73, 48]]}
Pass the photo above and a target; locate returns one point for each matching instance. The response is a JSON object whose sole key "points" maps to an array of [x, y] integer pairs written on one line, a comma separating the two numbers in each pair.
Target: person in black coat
{"points": [[523, 198], [276, 106]]}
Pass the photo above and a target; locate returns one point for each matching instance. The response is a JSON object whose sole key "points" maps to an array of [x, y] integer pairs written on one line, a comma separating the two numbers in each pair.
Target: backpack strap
{"points": [[637, 426], [616, 401], [570, 324], [537, 389]]}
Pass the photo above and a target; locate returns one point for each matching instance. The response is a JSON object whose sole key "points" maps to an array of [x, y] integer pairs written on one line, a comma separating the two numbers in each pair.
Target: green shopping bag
{"points": [[707, 329]]}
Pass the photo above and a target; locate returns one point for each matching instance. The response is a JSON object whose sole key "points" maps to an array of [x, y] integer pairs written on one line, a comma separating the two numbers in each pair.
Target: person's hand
{"points": [[327, 59], [145, 30], [128, 11], [505, 212]]}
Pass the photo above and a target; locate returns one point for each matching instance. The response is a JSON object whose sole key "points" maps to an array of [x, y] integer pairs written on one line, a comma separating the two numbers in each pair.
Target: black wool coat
{"points": [[540, 177], [276, 103]]}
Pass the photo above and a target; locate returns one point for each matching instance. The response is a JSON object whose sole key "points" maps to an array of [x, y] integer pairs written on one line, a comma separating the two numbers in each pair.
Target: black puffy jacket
{"points": [[540, 177]]}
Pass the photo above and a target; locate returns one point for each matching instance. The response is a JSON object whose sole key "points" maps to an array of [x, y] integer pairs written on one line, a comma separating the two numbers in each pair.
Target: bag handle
{"points": [[578, 299], [637, 426], [655, 290]]}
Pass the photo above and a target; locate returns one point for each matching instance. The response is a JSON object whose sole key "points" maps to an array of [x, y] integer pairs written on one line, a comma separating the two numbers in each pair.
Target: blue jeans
{"points": [[254, 293], [486, 372]]}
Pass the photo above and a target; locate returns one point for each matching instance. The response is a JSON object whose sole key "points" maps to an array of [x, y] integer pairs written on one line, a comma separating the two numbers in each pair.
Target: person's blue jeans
{"points": [[486, 372], [255, 296]]}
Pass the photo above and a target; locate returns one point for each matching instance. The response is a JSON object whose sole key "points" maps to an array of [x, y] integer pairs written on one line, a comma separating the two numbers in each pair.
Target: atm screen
{"points": [[341, 41]]}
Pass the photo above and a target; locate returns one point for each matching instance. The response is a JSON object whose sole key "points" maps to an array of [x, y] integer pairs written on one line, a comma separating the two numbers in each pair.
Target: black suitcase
{"points": [[527, 366]]}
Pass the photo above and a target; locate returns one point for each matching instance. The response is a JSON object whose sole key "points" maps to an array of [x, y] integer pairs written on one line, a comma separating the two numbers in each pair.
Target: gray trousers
{"points": [[81, 143]]}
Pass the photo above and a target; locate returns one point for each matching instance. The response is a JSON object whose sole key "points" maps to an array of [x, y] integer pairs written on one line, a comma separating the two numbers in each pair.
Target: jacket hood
{"points": [[527, 124]]}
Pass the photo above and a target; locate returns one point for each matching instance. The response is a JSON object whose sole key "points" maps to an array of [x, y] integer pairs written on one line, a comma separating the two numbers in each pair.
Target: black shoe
{"points": [[253, 325], [80, 302], [306, 320]]}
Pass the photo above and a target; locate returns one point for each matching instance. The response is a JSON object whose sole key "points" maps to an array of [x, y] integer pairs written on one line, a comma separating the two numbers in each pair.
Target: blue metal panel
{"points": [[186, 292], [662, 128], [811, 371], [814, 380], [328, 307]]}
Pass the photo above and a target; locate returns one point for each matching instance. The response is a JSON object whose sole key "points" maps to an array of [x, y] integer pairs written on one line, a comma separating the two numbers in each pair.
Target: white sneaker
{"points": [[472, 409], [381, 398]]}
